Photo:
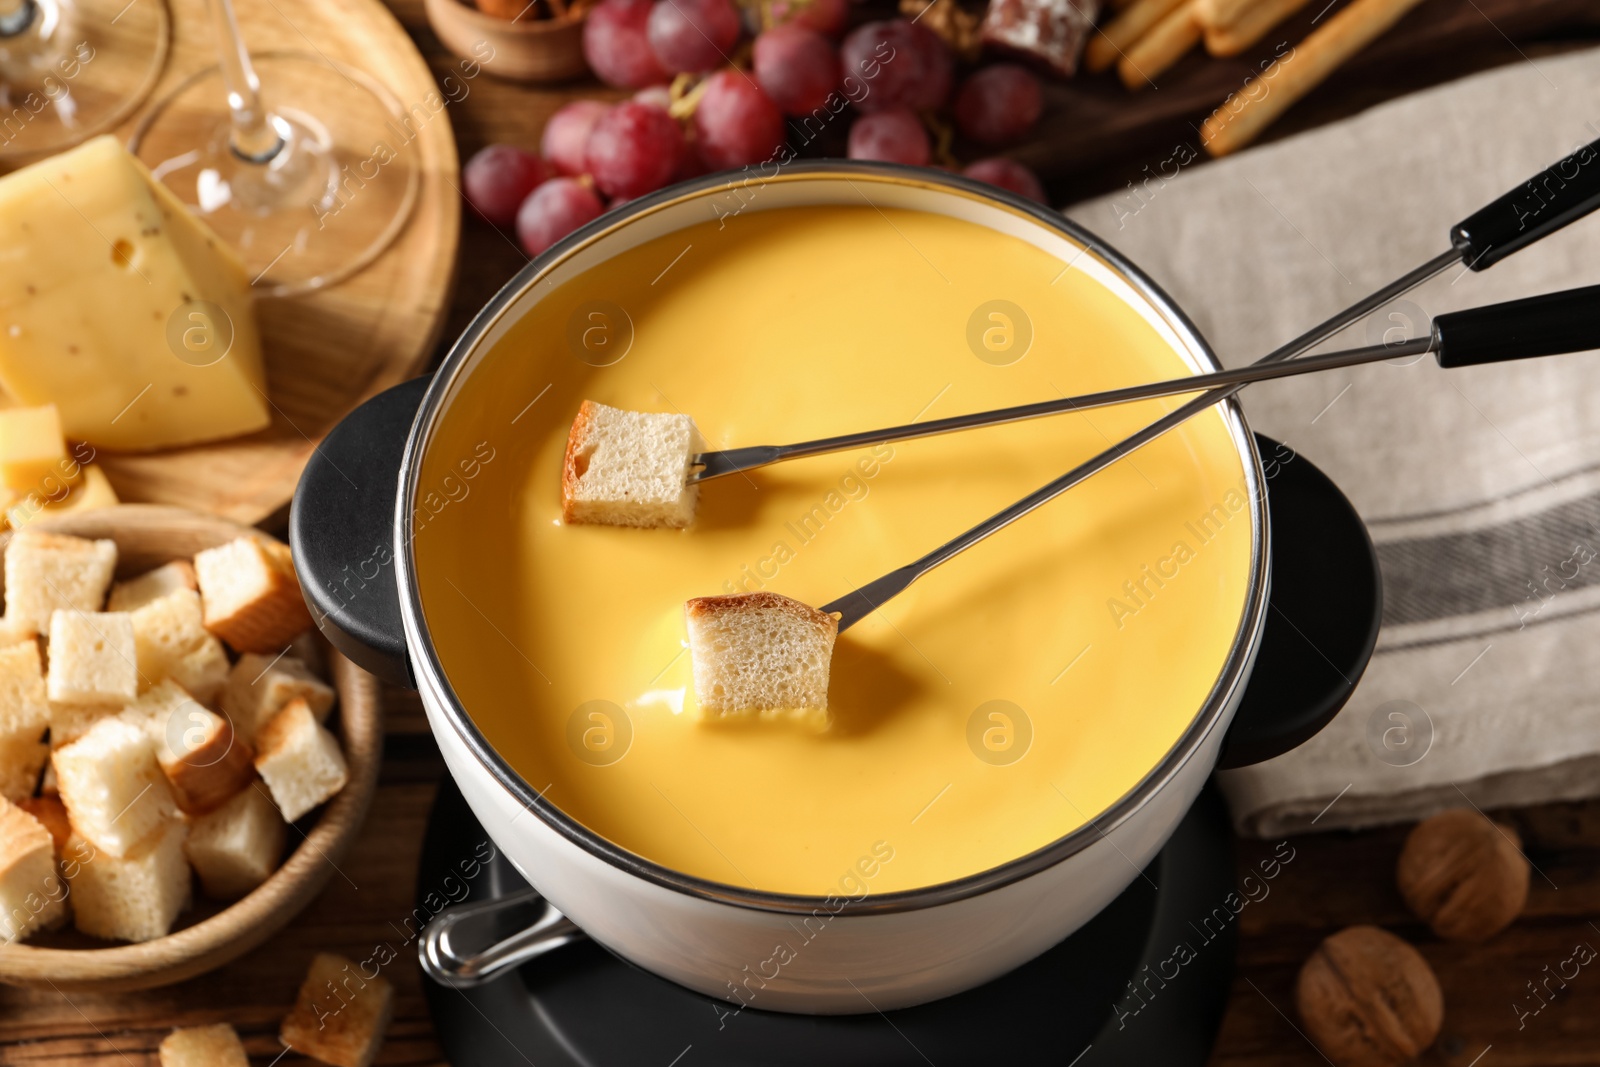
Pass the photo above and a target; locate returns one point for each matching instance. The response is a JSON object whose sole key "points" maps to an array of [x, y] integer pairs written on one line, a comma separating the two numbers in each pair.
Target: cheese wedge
{"points": [[121, 308]]}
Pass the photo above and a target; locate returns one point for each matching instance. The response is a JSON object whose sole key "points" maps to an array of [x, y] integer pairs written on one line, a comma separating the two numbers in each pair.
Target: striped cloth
{"points": [[1481, 486]]}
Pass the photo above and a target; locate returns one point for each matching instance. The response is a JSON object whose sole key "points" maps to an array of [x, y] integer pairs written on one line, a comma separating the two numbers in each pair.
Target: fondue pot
{"points": [[1308, 628]]}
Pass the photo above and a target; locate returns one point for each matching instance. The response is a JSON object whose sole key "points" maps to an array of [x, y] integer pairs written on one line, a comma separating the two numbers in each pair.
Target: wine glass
{"points": [[70, 69], [298, 161]]}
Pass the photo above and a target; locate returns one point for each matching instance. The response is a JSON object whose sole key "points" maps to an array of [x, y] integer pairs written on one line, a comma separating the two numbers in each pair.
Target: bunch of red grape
{"points": [[891, 79]]}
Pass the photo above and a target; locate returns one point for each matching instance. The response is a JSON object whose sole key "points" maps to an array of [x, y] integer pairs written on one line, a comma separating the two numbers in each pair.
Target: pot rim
{"points": [[430, 672]]}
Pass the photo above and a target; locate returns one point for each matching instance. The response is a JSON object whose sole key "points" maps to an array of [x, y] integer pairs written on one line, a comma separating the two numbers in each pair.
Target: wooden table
{"points": [[1334, 880]]}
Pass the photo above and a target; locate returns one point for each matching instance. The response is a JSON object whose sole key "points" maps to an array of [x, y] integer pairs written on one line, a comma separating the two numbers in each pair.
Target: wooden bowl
{"points": [[527, 50], [211, 933]]}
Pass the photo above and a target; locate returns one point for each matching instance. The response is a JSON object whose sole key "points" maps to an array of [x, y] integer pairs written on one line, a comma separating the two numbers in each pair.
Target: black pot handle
{"points": [[341, 532], [1323, 613], [1322, 618]]}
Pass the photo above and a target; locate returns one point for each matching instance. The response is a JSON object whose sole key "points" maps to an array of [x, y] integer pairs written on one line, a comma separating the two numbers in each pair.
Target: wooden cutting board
{"points": [[325, 353], [1096, 134]]}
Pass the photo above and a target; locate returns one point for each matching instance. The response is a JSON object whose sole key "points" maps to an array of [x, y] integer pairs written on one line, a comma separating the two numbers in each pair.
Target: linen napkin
{"points": [[1481, 486]]}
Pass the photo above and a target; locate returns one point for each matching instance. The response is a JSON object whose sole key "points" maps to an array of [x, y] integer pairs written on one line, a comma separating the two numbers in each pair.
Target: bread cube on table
{"points": [[134, 897], [299, 760], [32, 894], [629, 468], [203, 1046], [760, 654], [260, 686], [113, 786], [341, 1015], [237, 847], [251, 596], [92, 658], [152, 585], [47, 572], [171, 641], [24, 716]]}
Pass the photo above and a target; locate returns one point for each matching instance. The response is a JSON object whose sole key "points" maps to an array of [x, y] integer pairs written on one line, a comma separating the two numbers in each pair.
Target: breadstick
{"points": [[1159, 49], [1234, 38], [1241, 118], [1214, 14], [1107, 46]]}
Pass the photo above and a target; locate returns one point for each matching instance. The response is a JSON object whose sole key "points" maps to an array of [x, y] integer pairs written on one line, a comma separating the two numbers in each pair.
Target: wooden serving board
{"points": [[1096, 135], [326, 352]]}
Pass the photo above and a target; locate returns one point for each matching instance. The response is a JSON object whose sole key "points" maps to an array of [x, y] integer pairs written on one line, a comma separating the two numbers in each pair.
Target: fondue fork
{"points": [[1562, 194]]}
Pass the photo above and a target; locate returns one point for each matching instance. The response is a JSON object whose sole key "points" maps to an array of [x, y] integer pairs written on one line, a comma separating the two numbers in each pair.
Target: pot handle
{"points": [[341, 532], [1323, 611], [459, 947]]}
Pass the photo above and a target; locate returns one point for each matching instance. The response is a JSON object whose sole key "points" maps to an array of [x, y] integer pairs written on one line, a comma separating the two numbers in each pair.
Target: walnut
{"points": [[952, 22], [1368, 999], [1463, 875]]}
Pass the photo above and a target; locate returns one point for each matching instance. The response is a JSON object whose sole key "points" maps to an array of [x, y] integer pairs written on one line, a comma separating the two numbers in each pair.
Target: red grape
{"points": [[999, 104], [892, 136], [499, 178], [901, 64], [555, 209], [735, 122], [617, 47], [797, 67], [634, 149], [1008, 174], [827, 17], [567, 132], [693, 35]]}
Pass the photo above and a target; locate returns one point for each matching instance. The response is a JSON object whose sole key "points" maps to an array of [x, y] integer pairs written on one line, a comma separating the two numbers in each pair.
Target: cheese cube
{"points": [[33, 449], [92, 491], [118, 304]]}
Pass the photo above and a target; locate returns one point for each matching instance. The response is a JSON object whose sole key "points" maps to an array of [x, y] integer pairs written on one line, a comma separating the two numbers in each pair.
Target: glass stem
{"points": [[253, 138]]}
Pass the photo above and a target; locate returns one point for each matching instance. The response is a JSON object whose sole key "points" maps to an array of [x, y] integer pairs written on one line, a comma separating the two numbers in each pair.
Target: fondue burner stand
{"points": [[1112, 994]]}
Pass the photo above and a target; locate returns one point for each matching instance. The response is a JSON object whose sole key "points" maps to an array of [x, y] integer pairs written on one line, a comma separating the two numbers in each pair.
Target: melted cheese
{"points": [[1003, 701]]}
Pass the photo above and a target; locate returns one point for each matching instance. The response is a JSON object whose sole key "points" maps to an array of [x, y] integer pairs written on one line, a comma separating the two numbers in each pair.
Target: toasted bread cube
{"points": [[152, 585], [238, 846], [24, 716], [171, 641], [760, 654], [93, 658], [261, 686], [112, 785], [251, 594], [341, 1015], [629, 468], [203, 1046], [204, 763], [52, 815], [135, 897], [299, 760], [32, 894], [47, 572], [33, 451]]}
